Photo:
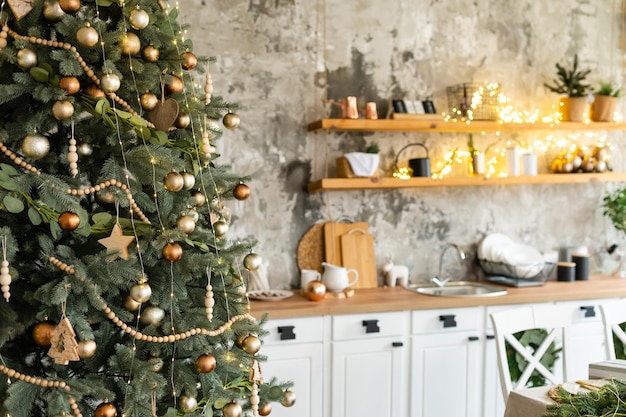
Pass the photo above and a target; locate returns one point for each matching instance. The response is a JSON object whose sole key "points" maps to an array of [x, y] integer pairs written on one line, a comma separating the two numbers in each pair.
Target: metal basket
{"points": [[498, 268], [474, 101]]}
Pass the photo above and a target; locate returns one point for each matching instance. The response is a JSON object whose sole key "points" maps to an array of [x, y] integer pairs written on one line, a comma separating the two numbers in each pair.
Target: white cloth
{"points": [[363, 164]]}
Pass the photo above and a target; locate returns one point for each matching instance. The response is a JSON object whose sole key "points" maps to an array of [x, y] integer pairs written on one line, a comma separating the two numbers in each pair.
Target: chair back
{"points": [[554, 319], [613, 314]]}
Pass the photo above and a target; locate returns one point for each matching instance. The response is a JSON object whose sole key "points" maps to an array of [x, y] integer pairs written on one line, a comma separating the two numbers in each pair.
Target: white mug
{"points": [[308, 275]]}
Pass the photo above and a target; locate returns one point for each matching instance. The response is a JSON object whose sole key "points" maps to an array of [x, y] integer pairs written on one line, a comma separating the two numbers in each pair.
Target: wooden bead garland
{"points": [[5, 277]]}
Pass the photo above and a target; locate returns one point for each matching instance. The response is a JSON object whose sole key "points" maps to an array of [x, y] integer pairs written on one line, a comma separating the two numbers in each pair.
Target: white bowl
{"points": [[525, 260]]}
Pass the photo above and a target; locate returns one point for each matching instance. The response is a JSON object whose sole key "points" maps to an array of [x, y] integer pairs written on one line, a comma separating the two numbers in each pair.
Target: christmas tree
{"points": [[121, 291]]}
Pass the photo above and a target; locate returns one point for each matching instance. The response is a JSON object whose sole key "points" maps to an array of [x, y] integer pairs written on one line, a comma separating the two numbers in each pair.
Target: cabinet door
{"points": [[370, 378], [446, 375]]}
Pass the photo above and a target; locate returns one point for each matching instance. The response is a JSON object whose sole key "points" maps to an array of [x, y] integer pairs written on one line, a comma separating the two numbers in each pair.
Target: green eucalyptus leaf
{"points": [[159, 137], [144, 133], [55, 230], [84, 229], [13, 204], [221, 402], [101, 218], [8, 169], [123, 114], [9, 184], [46, 66], [104, 3], [171, 412], [39, 74], [138, 121], [34, 216], [101, 106]]}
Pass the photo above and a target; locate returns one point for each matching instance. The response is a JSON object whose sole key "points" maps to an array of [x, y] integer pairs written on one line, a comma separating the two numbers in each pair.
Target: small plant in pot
{"points": [[359, 164], [605, 101], [571, 82]]}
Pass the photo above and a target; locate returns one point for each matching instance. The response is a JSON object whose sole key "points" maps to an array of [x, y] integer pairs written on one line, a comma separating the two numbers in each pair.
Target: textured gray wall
{"points": [[279, 58]]}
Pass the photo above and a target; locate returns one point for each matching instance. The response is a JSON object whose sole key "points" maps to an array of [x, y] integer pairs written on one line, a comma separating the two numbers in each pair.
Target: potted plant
{"points": [[359, 164], [605, 101], [571, 82]]}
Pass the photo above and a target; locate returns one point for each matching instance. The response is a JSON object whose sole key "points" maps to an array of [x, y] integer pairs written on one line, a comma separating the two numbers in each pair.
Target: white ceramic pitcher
{"points": [[335, 278]]}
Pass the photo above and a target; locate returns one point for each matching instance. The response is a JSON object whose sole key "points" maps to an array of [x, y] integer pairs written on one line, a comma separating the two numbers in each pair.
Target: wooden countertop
{"points": [[398, 299]]}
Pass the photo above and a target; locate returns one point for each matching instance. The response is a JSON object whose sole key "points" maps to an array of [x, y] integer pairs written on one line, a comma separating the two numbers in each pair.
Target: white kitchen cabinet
{"points": [[369, 365], [446, 359], [295, 352]]}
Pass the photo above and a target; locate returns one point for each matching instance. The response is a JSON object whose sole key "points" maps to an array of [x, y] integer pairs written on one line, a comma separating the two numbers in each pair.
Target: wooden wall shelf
{"points": [[348, 184], [439, 125]]}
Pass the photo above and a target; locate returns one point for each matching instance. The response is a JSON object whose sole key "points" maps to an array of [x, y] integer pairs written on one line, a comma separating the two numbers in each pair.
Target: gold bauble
{"points": [[188, 403], [251, 344], [105, 198], [175, 85], [241, 192], [173, 181], [87, 36], [232, 410], [265, 409], [199, 197], [130, 304], [69, 6], [43, 332], [86, 349], [157, 364], [231, 121], [183, 120], [172, 252], [189, 60], [69, 221], [141, 292], [315, 290], [188, 180], [186, 224], [71, 85], [84, 149], [149, 101], [62, 110], [52, 11], [152, 315], [110, 83], [26, 58], [130, 44], [220, 228], [205, 363], [106, 410], [94, 91], [252, 261], [150, 54], [289, 398], [139, 19], [35, 146]]}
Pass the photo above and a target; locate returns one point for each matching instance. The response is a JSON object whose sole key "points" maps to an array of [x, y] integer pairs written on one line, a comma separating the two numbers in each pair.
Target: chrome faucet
{"points": [[437, 280]]}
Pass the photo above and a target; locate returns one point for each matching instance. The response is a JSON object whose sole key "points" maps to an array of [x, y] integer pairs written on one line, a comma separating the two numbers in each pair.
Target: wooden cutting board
{"points": [[359, 250]]}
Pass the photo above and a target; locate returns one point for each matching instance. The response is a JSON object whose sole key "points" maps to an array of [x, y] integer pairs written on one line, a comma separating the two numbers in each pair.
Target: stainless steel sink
{"points": [[458, 289]]}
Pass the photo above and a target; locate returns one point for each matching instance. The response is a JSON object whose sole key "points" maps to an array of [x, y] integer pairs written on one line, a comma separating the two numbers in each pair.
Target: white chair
{"points": [[613, 314], [554, 319]]}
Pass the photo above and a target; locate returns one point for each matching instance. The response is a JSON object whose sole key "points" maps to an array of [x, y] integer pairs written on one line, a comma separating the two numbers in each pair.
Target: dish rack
{"points": [[505, 274]]}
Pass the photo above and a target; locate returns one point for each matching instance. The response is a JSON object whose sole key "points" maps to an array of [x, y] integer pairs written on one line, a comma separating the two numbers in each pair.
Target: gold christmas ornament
{"points": [[52, 11], [188, 403], [26, 58], [220, 228], [315, 290], [106, 410], [43, 332], [86, 349], [150, 54], [110, 83], [87, 36], [62, 110], [289, 398], [252, 261], [241, 192], [186, 224], [139, 19], [105, 198], [84, 149], [206, 363], [130, 44], [148, 101], [173, 182], [69, 221], [189, 60], [199, 197], [117, 243], [265, 409], [231, 121], [94, 91], [130, 304], [183, 120], [172, 252], [152, 315], [188, 180], [69, 6], [141, 292], [175, 85], [35, 146], [232, 410], [251, 344], [157, 364], [71, 85]]}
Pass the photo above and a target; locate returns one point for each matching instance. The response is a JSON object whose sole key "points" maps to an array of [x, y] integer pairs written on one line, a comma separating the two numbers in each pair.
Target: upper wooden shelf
{"points": [[439, 125], [347, 184]]}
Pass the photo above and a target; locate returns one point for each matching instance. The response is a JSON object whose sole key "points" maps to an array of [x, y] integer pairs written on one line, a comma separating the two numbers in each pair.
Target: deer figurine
{"points": [[395, 274]]}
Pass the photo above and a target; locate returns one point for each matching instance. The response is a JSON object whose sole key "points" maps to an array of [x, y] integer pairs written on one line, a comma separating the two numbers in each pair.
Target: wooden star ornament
{"points": [[117, 242]]}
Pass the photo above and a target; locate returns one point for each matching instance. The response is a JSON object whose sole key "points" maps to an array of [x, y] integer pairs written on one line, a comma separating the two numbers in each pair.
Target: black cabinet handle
{"points": [[371, 326], [448, 320], [490, 337], [286, 332], [473, 338], [590, 311], [397, 344]]}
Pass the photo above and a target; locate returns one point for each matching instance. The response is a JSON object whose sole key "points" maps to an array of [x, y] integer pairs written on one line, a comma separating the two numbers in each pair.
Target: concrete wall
{"points": [[279, 58]]}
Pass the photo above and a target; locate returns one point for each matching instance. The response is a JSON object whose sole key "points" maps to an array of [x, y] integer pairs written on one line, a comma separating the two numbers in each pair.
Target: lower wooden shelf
{"points": [[347, 184]]}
